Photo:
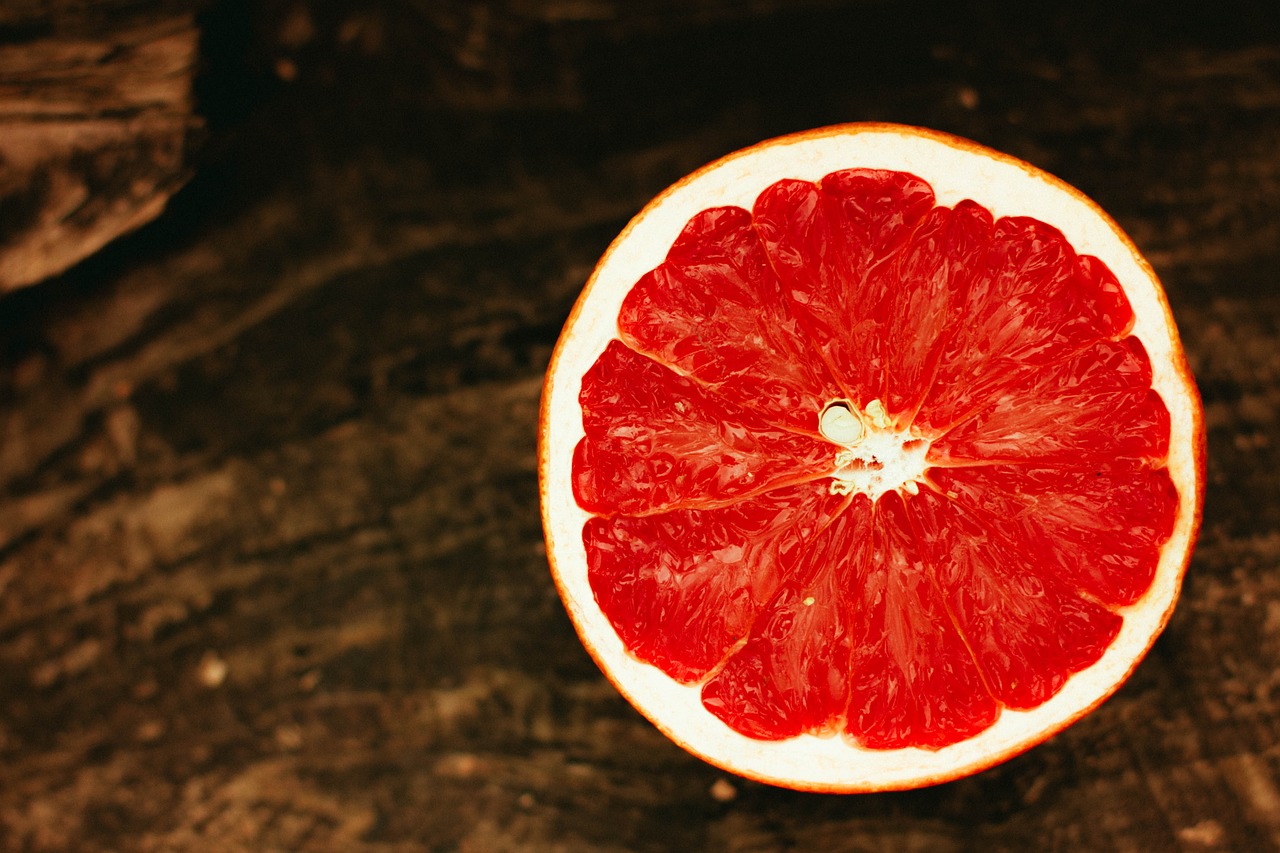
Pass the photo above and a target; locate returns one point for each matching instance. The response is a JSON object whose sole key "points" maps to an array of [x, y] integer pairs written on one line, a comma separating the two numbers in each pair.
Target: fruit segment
{"points": [[1033, 302], [682, 587], [914, 680], [734, 546], [656, 440], [714, 310], [792, 675], [1098, 528], [1095, 405], [831, 245], [1027, 629], [931, 279]]}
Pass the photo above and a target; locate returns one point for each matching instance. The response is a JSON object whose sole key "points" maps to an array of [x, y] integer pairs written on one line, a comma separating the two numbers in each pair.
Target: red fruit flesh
{"points": [[718, 550]]}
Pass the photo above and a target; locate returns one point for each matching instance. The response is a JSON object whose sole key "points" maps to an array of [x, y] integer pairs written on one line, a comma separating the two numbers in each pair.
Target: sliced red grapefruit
{"points": [[869, 458]]}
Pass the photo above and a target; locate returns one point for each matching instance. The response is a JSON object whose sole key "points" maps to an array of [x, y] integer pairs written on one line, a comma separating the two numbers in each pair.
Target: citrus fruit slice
{"points": [[869, 458]]}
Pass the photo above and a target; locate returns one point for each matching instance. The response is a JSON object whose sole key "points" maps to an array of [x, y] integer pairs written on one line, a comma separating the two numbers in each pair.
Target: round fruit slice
{"points": [[869, 458]]}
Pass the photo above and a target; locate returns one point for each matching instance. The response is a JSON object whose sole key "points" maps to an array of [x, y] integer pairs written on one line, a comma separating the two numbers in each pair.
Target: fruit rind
{"points": [[957, 169]]}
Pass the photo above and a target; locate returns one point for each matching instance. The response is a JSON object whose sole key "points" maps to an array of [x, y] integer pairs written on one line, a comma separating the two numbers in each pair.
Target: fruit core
{"points": [[876, 455]]}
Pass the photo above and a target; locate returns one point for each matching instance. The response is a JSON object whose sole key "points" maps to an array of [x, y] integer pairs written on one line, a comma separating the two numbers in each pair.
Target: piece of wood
{"points": [[94, 123]]}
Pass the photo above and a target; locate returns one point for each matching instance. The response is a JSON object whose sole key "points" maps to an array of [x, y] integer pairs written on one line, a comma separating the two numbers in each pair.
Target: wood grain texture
{"points": [[271, 568], [95, 114]]}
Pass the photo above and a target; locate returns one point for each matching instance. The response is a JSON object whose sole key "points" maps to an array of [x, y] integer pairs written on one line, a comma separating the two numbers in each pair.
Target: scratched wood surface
{"points": [[271, 569]]}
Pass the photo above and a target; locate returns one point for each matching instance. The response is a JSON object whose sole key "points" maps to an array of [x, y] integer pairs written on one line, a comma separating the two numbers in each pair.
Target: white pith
{"points": [[876, 455], [956, 170]]}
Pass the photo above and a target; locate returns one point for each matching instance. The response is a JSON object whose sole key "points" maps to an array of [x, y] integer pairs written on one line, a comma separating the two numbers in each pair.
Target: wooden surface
{"points": [[271, 569]]}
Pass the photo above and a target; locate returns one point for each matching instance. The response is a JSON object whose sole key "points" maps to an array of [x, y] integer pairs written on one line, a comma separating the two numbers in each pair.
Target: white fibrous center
{"points": [[875, 455]]}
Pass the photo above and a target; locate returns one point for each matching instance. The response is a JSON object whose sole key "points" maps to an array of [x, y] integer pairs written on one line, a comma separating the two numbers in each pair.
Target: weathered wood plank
{"points": [[94, 127]]}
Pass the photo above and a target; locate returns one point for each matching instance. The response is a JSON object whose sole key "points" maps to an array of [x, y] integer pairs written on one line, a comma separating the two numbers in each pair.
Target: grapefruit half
{"points": [[869, 458]]}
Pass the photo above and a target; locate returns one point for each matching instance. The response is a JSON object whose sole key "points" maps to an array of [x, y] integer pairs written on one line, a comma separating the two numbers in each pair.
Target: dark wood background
{"points": [[271, 568]]}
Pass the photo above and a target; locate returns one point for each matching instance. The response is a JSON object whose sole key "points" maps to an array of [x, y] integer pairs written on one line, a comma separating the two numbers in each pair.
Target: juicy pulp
{"points": [[721, 553]]}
